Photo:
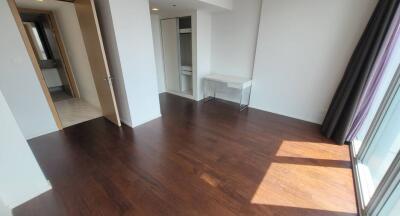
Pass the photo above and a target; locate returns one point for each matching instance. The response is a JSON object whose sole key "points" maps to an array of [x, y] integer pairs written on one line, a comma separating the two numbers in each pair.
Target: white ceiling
{"points": [[166, 7], [44, 5]]}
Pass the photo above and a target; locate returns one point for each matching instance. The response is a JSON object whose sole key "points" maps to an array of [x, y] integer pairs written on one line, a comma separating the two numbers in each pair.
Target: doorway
{"points": [[176, 34], [46, 42], [55, 67], [64, 43]]}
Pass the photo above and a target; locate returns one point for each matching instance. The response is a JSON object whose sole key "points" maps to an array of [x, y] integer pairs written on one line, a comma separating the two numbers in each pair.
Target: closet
{"points": [[177, 51]]}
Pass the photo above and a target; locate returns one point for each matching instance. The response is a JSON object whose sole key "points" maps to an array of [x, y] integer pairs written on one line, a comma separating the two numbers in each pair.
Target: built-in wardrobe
{"points": [[177, 52]]}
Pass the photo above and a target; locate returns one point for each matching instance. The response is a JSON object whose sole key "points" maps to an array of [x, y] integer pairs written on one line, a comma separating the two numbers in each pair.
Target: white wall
{"points": [[157, 41], [19, 83], [20, 174], [4, 210], [68, 23], [112, 53], [225, 4], [201, 50], [234, 40], [134, 42], [302, 52]]}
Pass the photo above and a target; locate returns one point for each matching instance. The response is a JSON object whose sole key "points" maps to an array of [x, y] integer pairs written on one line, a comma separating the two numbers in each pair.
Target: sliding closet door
{"points": [[170, 48], [95, 49]]}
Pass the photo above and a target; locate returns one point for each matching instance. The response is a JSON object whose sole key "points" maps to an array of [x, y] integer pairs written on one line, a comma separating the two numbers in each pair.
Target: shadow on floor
{"points": [[198, 159]]}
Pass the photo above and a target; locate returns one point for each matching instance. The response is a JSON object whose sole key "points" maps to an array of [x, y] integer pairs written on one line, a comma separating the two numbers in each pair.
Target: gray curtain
{"points": [[341, 118], [378, 70]]}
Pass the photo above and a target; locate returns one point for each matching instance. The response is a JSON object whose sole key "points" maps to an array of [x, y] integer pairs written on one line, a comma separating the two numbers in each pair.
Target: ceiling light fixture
{"points": [[155, 9]]}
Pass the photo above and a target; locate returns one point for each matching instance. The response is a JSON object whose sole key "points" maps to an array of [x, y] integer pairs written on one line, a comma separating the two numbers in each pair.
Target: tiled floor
{"points": [[75, 110]]}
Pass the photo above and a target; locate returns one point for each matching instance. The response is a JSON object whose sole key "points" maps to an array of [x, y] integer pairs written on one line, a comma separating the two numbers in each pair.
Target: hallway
{"points": [[74, 111]]}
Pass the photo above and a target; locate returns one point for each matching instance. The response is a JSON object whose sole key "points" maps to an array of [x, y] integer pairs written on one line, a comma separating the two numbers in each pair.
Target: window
{"points": [[378, 160]]}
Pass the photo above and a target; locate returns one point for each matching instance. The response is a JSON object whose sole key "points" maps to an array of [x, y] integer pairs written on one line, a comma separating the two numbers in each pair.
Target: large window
{"points": [[392, 205], [378, 160]]}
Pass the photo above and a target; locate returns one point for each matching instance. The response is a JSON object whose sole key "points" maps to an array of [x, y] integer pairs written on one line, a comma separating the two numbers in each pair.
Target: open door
{"points": [[95, 49], [169, 28]]}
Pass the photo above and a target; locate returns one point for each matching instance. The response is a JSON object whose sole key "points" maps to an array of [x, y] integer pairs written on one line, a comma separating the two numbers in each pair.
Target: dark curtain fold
{"points": [[343, 108], [378, 72]]}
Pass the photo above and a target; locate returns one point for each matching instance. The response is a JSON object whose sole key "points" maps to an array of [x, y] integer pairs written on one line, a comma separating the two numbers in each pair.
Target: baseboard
{"points": [[45, 188], [181, 95], [127, 123], [42, 133], [147, 121]]}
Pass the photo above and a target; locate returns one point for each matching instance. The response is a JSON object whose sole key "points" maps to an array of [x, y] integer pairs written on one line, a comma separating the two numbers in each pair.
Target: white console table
{"points": [[242, 84]]}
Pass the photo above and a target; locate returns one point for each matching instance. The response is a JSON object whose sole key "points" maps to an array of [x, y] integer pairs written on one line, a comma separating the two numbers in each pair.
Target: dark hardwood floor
{"points": [[198, 159]]}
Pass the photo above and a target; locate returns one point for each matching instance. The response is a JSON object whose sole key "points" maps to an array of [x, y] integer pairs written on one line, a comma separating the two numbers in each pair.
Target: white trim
{"points": [[357, 181], [128, 123], [147, 121], [181, 95], [367, 183], [45, 188]]}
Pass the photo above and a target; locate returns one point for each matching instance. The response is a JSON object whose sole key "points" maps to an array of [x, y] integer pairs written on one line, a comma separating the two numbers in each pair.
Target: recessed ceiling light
{"points": [[40, 0], [155, 9]]}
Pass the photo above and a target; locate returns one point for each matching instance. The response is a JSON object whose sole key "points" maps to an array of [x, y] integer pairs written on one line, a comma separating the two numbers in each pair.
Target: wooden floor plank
{"points": [[198, 159]]}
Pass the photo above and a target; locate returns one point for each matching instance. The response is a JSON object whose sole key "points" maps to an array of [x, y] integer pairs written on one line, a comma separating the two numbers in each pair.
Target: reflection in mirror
{"points": [[36, 40]]}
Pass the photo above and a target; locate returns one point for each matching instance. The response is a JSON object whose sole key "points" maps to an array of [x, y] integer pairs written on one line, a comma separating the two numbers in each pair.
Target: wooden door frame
{"points": [[61, 47], [35, 63], [79, 5]]}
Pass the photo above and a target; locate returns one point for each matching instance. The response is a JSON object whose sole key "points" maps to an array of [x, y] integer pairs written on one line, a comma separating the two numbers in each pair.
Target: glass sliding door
{"points": [[392, 205], [378, 160], [385, 143]]}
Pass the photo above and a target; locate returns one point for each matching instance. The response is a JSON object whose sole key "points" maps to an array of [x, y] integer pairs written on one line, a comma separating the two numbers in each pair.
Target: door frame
{"points": [[86, 8], [14, 10], [61, 47]]}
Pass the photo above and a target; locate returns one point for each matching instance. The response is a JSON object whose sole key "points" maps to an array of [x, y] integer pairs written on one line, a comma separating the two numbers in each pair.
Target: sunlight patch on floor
{"points": [[313, 150], [210, 180], [306, 186]]}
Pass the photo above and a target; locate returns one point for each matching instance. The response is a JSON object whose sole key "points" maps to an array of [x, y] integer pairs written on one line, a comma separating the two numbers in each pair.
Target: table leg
{"points": [[244, 106], [208, 98]]}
